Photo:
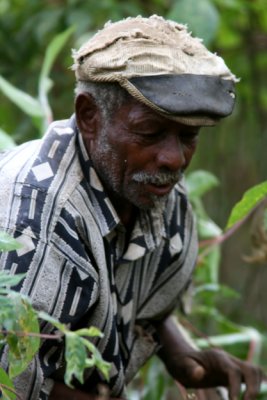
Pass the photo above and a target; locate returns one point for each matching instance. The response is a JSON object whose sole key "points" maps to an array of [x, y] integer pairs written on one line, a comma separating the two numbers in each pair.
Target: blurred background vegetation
{"points": [[235, 151]]}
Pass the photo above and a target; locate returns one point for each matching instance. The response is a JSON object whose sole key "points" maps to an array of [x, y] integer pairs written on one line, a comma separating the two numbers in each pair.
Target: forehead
{"points": [[133, 112]]}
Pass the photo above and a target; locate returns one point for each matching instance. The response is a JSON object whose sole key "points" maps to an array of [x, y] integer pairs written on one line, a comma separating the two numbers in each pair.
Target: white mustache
{"points": [[160, 178]]}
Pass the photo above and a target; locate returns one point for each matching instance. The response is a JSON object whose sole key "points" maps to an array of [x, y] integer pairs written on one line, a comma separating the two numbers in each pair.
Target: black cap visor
{"points": [[188, 94]]}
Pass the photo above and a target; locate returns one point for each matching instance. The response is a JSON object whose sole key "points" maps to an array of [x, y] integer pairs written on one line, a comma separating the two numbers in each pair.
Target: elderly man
{"points": [[100, 207]]}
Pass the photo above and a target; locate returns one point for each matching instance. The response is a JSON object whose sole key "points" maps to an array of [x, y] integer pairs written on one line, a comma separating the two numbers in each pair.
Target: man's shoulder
{"points": [[37, 162], [12, 161], [39, 175]]}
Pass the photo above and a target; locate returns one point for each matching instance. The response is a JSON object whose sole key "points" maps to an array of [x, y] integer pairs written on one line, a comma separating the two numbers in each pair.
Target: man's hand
{"points": [[63, 392], [211, 368], [207, 368]]}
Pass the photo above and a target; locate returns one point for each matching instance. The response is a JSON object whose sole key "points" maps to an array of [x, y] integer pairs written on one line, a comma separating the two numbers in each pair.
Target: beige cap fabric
{"points": [[140, 47]]}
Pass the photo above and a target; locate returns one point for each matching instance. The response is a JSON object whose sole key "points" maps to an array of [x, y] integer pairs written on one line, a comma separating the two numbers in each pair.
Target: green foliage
{"points": [[45, 83], [19, 329], [208, 265], [198, 183], [206, 315], [152, 382], [237, 30], [5, 386], [196, 14], [249, 201], [17, 319], [38, 109], [77, 348], [6, 141], [8, 243], [22, 346], [27, 103], [95, 356], [7, 281], [208, 293], [76, 356]]}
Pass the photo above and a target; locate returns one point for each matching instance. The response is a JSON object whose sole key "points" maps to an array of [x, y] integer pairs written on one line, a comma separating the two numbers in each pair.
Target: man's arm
{"points": [[207, 368]]}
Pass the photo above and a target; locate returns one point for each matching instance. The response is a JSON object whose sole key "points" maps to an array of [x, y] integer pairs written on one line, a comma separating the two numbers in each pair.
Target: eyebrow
{"points": [[148, 115]]}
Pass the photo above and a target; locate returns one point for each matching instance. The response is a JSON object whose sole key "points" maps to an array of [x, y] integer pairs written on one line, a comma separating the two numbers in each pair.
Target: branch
{"points": [[2, 385], [32, 334], [222, 238]]}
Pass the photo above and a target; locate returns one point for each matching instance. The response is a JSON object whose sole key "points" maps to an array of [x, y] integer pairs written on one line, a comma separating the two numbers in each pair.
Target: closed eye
{"points": [[189, 137], [149, 134]]}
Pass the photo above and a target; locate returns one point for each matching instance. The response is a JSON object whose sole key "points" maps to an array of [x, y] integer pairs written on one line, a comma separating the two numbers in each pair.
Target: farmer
{"points": [[101, 210]]}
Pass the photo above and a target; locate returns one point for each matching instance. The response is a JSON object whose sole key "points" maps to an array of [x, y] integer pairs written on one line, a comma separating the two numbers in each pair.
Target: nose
{"points": [[170, 154]]}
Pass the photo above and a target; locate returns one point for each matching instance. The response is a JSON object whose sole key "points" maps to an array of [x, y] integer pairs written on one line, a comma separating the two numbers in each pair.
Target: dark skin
{"points": [[140, 140], [206, 369]]}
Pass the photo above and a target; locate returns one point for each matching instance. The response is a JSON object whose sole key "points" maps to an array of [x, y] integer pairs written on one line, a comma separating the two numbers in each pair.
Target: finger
{"points": [[198, 372], [192, 373], [253, 377], [234, 379]]}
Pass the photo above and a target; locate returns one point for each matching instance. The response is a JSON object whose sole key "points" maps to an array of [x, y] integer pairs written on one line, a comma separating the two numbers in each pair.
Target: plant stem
{"points": [[32, 334], [2, 385]]}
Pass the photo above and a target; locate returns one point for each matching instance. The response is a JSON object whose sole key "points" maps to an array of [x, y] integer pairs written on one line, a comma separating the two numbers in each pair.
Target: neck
{"points": [[128, 219], [125, 210]]}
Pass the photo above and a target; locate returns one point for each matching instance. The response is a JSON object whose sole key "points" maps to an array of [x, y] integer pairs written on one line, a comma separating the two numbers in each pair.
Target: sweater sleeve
{"points": [[61, 285]]}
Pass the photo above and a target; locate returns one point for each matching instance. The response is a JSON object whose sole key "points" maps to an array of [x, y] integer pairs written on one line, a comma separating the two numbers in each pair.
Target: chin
{"points": [[153, 203]]}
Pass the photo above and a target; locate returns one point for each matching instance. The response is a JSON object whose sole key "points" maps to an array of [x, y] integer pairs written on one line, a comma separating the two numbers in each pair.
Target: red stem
{"points": [[221, 238], [32, 334], [2, 385]]}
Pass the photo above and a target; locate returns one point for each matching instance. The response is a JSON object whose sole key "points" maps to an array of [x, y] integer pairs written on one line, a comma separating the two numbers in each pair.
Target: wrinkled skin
{"points": [[139, 157], [137, 142]]}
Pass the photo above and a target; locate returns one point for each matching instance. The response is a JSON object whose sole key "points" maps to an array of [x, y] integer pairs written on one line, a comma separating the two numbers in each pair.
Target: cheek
{"points": [[134, 156], [189, 152]]}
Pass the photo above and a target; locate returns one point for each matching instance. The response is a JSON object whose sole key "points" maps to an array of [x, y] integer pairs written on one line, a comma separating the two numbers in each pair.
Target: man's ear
{"points": [[87, 116]]}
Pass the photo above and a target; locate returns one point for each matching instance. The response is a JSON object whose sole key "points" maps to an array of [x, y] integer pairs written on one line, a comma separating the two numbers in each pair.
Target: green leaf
{"points": [[25, 102], [201, 16], [6, 141], [199, 182], [92, 331], [265, 220], [46, 317], [222, 290], [7, 280], [96, 359], [214, 315], [22, 347], [207, 228], [45, 82], [249, 201], [208, 269], [103, 366], [8, 243], [52, 51], [6, 381], [156, 382], [76, 351], [4, 304], [75, 356]]}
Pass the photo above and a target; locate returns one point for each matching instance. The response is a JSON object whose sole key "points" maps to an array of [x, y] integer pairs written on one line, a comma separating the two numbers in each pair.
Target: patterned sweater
{"points": [[78, 265]]}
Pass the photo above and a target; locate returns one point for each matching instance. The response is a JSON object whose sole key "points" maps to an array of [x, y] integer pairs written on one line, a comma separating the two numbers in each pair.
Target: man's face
{"points": [[140, 155]]}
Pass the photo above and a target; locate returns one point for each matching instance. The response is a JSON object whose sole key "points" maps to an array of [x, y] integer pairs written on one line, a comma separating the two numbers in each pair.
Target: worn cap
{"points": [[160, 64]]}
